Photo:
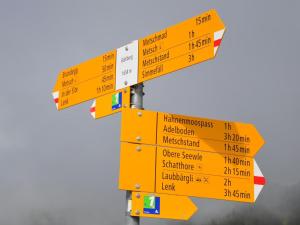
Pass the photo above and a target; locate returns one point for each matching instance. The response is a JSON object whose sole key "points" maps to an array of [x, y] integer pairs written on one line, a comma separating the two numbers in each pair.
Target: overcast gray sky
{"points": [[62, 167]]}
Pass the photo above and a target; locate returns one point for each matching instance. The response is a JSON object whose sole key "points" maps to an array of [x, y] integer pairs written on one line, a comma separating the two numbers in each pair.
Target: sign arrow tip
{"points": [[93, 109], [218, 36], [191, 208], [259, 180], [55, 98]]}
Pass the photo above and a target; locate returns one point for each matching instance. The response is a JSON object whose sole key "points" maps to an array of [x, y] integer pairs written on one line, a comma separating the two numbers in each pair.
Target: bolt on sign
{"points": [[150, 165], [190, 42]]}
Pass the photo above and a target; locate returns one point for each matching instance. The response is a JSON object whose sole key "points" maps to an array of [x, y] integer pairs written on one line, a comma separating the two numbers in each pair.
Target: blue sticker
{"points": [[151, 205], [116, 101]]}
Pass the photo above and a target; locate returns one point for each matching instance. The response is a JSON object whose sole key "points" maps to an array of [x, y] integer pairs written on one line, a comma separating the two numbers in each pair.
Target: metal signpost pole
{"points": [[136, 101], [136, 96]]}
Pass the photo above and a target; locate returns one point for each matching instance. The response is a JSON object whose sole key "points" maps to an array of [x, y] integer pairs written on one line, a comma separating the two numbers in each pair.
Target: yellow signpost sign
{"points": [[186, 132], [166, 157], [190, 42], [95, 77], [137, 167], [187, 43], [205, 174], [192, 156], [111, 103], [162, 206], [189, 172]]}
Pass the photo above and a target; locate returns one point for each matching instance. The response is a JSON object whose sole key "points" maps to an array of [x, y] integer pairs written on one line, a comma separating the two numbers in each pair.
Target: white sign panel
{"points": [[127, 65]]}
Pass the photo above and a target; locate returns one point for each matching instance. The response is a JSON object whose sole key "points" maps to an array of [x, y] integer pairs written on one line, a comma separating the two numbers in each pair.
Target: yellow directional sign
{"points": [[189, 172], [139, 126], [204, 174], [195, 161], [208, 134], [137, 167], [111, 103], [95, 77], [162, 206], [186, 132], [190, 42]]}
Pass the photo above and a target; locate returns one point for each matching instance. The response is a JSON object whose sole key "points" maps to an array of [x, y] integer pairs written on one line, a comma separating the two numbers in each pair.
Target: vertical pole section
{"points": [[136, 101], [136, 96]]}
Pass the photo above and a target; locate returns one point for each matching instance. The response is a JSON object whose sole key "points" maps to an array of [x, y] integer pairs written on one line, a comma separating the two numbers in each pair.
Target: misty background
{"points": [[61, 168]]}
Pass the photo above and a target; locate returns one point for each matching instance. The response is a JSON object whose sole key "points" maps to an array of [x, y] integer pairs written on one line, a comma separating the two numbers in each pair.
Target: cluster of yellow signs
{"points": [[166, 157], [179, 155], [190, 42]]}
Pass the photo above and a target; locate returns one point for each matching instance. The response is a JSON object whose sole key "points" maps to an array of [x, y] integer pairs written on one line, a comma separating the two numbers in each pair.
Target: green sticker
{"points": [[149, 202]]}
